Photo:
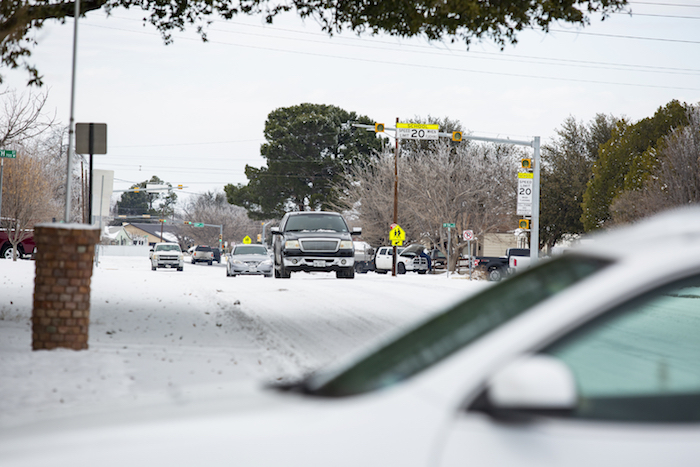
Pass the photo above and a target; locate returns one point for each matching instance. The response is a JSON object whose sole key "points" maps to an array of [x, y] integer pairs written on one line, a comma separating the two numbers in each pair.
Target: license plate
{"points": [[319, 263]]}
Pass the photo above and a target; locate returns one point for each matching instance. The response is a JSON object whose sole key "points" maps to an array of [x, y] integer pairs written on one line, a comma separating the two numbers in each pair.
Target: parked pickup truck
{"points": [[24, 248], [498, 267], [407, 259]]}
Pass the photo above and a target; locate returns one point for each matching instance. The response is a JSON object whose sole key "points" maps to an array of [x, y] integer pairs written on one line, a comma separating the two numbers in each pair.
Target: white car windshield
{"points": [[167, 248], [459, 326], [250, 250]]}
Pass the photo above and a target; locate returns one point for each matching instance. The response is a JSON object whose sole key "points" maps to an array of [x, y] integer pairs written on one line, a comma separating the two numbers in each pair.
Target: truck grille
{"points": [[319, 245]]}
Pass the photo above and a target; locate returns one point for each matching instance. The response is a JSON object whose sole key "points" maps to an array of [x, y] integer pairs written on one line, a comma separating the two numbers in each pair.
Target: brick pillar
{"points": [[64, 257]]}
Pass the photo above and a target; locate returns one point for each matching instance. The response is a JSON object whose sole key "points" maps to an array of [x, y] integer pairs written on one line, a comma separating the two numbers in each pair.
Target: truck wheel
{"points": [[153, 268], [179, 269], [7, 254], [348, 273], [281, 273], [423, 271], [495, 275], [401, 268], [211, 262]]}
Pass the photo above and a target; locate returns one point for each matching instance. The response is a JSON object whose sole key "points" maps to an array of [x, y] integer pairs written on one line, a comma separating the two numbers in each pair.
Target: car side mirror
{"points": [[275, 230], [356, 231], [535, 385]]}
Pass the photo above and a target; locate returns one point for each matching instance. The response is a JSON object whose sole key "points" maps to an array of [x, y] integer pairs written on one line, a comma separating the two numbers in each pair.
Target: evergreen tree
{"points": [[626, 160], [309, 147], [154, 204], [566, 169]]}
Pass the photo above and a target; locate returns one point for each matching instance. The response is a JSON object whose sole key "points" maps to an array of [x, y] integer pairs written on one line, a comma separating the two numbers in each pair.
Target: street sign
{"points": [[525, 183], [417, 131], [449, 225], [247, 240], [198, 224], [468, 235], [155, 188], [91, 138], [8, 153], [397, 236]]}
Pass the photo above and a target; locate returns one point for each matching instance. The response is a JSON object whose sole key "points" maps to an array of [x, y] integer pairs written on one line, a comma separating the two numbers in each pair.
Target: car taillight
{"points": [[515, 262]]}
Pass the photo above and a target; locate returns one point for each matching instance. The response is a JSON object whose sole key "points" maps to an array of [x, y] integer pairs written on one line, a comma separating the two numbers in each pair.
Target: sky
{"points": [[193, 113]]}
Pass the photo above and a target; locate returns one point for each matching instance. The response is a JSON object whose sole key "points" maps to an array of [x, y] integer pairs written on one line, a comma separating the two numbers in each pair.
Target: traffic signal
{"points": [[379, 128], [526, 163], [457, 136], [220, 238], [188, 223], [524, 224], [136, 189], [163, 220]]}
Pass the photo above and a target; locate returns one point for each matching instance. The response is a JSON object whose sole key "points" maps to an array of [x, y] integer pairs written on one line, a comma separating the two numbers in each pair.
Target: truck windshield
{"points": [[446, 333], [315, 222]]}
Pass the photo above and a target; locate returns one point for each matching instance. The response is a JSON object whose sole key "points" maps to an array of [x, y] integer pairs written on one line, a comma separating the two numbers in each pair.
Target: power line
{"points": [[683, 5], [622, 36], [432, 67]]}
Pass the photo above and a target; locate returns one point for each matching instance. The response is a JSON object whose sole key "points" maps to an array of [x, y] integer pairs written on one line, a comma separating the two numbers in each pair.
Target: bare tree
{"points": [[22, 117], [212, 208], [471, 185], [28, 184], [26, 199]]}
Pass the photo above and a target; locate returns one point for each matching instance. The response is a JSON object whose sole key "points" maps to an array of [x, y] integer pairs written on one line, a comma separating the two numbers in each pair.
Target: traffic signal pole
{"points": [[459, 136]]}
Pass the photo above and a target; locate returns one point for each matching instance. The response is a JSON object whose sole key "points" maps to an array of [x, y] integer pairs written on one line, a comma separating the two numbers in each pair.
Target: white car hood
{"points": [[244, 429]]}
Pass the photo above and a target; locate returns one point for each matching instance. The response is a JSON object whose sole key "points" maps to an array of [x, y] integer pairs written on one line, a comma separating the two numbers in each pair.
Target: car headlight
{"points": [[291, 244], [181, 256], [346, 244], [237, 261], [267, 262]]}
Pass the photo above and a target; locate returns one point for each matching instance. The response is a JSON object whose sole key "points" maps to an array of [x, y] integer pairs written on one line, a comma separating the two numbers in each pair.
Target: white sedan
{"points": [[590, 359]]}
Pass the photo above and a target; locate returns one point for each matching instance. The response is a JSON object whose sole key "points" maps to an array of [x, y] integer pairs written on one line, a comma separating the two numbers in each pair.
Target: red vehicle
{"points": [[25, 247]]}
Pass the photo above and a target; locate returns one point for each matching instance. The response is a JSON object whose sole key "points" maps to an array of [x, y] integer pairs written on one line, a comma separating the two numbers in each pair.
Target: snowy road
{"points": [[172, 334]]}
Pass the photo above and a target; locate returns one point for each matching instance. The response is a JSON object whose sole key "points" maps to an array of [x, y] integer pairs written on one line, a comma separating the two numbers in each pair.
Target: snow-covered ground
{"points": [[164, 334]]}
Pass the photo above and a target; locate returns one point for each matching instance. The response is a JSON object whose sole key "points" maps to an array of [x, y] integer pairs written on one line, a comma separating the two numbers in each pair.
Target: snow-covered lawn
{"points": [[179, 335]]}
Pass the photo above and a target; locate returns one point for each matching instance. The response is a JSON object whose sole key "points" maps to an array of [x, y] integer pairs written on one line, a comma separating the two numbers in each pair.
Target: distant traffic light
{"points": [[188, 223], [526, 163], [524, 224], [379, 128], [220, 238], [457, 136]]}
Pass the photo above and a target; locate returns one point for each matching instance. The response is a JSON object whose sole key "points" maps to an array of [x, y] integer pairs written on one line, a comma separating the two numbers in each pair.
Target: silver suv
{"points": [[202, 254]]}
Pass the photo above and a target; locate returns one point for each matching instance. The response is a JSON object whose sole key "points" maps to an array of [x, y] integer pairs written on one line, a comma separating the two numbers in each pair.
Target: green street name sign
{"points": [[9, 153], [449, 225], [198, 224]]}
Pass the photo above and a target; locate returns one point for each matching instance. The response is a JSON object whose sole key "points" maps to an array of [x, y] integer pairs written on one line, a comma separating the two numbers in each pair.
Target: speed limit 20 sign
{"points": [[525, 182], [417, 131]]}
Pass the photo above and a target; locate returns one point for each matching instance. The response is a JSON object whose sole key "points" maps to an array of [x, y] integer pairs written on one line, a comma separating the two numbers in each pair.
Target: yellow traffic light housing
{"points": [[526, 163], [524, 224], [379, 128], [457, 136]]}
